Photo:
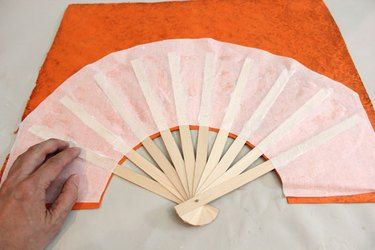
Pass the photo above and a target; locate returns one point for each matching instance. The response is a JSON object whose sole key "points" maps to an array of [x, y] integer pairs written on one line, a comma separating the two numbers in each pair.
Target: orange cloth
{"points": [[303, 30]]}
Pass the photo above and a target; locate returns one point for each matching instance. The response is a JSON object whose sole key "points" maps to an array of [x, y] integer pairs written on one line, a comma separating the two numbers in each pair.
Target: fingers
{"points": [[65, 201], [29, 161], [51, 169]]}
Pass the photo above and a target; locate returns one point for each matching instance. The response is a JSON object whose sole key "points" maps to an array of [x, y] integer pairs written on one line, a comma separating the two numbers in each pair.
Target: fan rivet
{"points": [[197, 200]]}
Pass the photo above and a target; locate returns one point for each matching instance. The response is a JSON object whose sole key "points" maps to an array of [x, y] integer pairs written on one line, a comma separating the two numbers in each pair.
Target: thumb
{"points": [[65, 201]]}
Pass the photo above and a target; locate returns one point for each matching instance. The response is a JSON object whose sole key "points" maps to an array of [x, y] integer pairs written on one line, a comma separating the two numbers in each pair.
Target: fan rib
{"points": [[164, 164], [145, 183], [299, 115], [180, 105], [230, 113], [204, 118], [250, 126], [279, 161], [214, 157], [119, 145], [138, 129], [189, 157], [153, 172], [91, 122], [176, 157], [108, 164], [157, 114], [224, 163], [202, 150]]}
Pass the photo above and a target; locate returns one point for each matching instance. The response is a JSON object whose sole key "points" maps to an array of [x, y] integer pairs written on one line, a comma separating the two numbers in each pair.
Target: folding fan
{"points": [[313, 130]]}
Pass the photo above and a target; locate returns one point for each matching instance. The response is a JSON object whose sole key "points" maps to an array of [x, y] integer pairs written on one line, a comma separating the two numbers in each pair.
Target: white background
{"points": [[256, 216]]}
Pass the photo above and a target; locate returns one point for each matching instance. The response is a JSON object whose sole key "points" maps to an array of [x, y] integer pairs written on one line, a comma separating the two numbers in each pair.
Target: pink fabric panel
{"points": [[122, 78], [92, 178], [343, 166], [264, 73], [82, 89]]}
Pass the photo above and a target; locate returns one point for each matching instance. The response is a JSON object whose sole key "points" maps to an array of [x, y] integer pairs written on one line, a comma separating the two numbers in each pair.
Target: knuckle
{"points": [[32, 149], [24, 191], [30, 153], [21, 158]]}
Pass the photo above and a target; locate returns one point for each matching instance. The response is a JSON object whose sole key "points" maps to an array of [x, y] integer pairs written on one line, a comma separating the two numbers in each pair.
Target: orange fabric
{"points": [[303, 30], [359, 198]]}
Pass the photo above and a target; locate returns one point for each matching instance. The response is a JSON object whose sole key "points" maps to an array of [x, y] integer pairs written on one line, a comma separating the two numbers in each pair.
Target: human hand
{"points": [[25, 221]]}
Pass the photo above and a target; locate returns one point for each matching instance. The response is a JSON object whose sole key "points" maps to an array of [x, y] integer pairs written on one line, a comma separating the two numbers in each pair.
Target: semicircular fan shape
{"points": [[313, 130]]}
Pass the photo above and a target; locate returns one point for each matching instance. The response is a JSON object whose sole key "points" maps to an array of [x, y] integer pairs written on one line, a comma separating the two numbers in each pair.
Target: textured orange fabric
{"points": [[359, 198], [303, 30]]}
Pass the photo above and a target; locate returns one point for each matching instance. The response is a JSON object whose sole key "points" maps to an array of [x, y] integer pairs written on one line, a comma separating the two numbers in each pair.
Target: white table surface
{"points": [[255, 216]]}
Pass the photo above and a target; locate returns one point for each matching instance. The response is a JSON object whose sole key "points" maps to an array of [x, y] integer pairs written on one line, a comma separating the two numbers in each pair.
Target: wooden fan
{"points": [[288, 113]]}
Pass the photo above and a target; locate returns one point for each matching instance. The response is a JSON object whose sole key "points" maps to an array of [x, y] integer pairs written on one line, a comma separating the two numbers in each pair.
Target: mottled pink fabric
{"points": [[343, 166]]}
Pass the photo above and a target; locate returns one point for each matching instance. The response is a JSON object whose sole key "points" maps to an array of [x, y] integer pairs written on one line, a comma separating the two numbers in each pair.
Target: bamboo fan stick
{"points": [[152, 171], [279, 161], [204, 118], [176, 157], [250, 126], [224, 163], [145, 183], [189, 157], [228, 119], [119, 145], [138, 129], [222, 189], [201, 160], [164, 164], [285, 127], [157, 114], [180, 96], [108, 164], [214, 157]]}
